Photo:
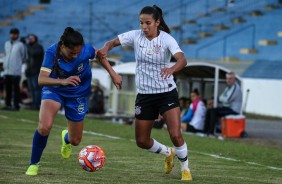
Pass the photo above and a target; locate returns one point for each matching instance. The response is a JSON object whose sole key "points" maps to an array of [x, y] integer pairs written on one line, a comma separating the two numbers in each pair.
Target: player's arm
{"points": [[44, 79], [116, 78], [108, 46], [181, 62]]}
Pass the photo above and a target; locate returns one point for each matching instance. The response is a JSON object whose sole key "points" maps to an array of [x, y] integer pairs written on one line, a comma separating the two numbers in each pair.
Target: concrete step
{"points": [[205, 34], [189, 41], [248, 51], [267, 42]]}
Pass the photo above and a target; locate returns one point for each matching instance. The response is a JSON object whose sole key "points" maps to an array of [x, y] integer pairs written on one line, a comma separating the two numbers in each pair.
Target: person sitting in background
{"points": [[210, 103], [26, 100], [230, 103], [96, 99], [193, 120], [184, 104]]}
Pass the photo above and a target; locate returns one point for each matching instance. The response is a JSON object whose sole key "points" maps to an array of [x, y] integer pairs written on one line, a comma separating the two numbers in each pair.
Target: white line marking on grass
{"points": [[270, 167], [235, 160], [115, 137], [26, 120], [84, 131], [101, 135], [3, 117]]}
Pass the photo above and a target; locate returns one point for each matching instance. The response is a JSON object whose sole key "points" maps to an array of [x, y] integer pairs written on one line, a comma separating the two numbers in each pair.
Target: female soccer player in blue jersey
{"points": [[153, 47], [66, 79]]}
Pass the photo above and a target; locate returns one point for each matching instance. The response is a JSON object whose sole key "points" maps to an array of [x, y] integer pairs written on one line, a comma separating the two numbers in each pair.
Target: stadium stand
{"points": [[207, 29]]}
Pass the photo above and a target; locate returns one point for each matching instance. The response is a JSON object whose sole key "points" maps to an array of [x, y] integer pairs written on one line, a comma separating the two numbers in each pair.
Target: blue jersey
{"points": [[79, 66]]}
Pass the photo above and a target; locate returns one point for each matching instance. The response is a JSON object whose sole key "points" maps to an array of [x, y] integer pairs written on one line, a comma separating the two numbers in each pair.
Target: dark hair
{"points": [[157, 15], [22, 39], [34, 36], [14, 31], [70, 39], [196, 91]]}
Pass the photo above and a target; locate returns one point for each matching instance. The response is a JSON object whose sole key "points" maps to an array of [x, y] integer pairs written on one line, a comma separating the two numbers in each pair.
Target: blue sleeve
{"points": [[48, 61], [49, 57], [91, 51], [188, 116]]}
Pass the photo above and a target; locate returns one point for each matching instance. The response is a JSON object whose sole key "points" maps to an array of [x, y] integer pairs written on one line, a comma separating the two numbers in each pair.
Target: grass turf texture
{"points": [[125, 162]]}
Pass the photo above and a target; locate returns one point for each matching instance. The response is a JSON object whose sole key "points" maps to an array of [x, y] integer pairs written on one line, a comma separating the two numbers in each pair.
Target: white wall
{"points": [[264, 98]]}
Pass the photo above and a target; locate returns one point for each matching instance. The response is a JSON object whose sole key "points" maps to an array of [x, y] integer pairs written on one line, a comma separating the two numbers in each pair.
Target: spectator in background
{"points": [[96, 98], [35, 58], [230, 103], [25, 95], [15, 53], [184, 103], [194, 119]]}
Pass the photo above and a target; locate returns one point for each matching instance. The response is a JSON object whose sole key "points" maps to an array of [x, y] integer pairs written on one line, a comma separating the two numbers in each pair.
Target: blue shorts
{"points": [[75, 108]]}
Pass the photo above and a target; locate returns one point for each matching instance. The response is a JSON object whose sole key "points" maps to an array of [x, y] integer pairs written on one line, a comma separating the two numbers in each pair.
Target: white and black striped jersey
{"points": [[151, 57]]}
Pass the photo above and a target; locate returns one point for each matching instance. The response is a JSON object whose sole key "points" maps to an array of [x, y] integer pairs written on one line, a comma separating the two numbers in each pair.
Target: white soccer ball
{"points": [[91, 158]]}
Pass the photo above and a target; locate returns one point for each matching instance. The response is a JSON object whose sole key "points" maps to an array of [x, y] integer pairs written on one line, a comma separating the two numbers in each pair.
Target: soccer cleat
{"points": [[186, 175], [169, 161], [32, 170], [66, 148]]}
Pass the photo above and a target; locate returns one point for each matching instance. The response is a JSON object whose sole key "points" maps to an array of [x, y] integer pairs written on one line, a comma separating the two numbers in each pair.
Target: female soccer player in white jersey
{"points": [[66, 79], [153, 46]]}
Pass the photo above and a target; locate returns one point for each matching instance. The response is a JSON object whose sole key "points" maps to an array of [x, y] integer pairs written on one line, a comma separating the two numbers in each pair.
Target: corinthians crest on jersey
{"points": [[137, 110], [157, 49]]}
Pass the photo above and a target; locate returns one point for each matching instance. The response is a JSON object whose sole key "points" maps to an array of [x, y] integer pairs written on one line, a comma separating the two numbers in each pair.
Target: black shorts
{"points": [[149, 106]]}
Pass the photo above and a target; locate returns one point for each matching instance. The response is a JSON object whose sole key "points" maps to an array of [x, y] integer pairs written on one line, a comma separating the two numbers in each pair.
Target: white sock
{"points": [[182, 154], [160, 148]]}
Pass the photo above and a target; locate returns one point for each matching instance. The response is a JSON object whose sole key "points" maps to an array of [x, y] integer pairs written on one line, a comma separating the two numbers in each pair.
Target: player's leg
{"points": [[172, 119], [75, 110], [70, 137], [143, 138], [47, 113], [143, 133]]}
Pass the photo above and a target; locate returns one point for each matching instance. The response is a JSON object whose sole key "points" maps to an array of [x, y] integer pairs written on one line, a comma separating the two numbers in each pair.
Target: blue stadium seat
{"points": [[100, 21]]}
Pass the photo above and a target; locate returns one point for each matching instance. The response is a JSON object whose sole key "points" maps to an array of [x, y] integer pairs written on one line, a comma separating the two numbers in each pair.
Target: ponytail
{"points": [[162, 25]]}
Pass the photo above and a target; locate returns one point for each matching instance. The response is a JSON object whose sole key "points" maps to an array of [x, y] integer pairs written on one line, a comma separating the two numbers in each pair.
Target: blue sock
{"points": [[38, 144], [66, 138]]}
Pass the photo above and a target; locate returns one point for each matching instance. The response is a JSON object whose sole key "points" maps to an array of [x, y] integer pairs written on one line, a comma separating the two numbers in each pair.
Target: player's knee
{"points": [[44, 130]]}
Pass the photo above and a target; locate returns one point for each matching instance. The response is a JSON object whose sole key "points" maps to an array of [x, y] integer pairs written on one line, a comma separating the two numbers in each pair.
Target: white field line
{"points": [[235, 160], [3, 117], [114, 137]]}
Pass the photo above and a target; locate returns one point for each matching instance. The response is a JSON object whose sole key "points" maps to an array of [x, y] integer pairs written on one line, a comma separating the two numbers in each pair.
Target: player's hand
{"points": [[166, 72], [102, 53], [72, 80], [117, 80]]}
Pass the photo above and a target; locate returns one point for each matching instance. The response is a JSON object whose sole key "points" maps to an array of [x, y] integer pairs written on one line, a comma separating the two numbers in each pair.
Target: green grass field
{"points": [[211, 160]]}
